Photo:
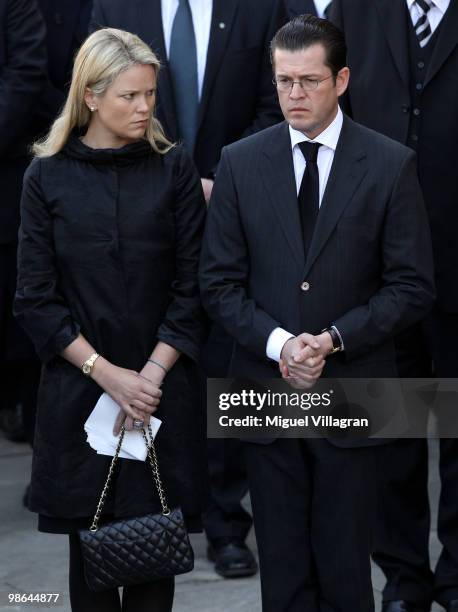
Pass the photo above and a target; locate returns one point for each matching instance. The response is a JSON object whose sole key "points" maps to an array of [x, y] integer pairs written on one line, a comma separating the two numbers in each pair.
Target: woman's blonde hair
{"points": [[103, 56]]}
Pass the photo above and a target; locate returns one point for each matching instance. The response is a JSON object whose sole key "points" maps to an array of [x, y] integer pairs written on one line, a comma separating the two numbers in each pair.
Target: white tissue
{"points": [[99, 429]]}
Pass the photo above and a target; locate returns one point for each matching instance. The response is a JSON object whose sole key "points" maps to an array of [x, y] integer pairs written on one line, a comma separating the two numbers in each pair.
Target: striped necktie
{"points": [[419, 11]]}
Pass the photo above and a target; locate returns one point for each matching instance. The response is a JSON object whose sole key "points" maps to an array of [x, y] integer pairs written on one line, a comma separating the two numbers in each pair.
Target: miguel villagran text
{"points": [[316, 421]]}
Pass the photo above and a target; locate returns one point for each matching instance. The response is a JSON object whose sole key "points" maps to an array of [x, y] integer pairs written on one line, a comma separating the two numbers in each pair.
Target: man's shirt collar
{"points": [[442, 5], [328, 137]]}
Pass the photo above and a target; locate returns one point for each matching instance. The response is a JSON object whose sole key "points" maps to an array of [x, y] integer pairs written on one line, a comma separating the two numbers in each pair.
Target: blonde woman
{"points": [[112, 218]]}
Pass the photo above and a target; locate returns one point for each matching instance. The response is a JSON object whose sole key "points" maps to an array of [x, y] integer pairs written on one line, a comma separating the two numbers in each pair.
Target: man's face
{"points": [[309, 111]]}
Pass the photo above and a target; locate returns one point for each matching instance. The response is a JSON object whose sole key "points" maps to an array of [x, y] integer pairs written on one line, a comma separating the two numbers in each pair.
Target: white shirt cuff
{"points": [[275, 343]]}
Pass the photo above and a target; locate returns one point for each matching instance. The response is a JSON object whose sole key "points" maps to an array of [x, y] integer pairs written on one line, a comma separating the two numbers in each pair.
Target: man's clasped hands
{"points": [[303, 359]]}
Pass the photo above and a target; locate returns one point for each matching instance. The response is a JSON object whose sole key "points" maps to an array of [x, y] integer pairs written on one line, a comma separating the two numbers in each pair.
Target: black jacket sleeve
{"points": [[39, 305], [407, 291], [22, 69], [184, 324], [225, 269]]}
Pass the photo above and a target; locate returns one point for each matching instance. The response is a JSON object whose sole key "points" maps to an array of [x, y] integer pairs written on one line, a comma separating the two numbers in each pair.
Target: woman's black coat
{"points": [[109, 247]]}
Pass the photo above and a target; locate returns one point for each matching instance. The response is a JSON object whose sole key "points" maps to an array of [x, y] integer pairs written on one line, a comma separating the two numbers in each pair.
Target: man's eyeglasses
{"points": [[286, 84]]}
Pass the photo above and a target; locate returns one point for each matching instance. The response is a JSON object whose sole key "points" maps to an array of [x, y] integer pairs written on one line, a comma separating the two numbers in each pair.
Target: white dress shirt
{"points": [[435, 14], [201, 17], [321, 6], [328, 140]]}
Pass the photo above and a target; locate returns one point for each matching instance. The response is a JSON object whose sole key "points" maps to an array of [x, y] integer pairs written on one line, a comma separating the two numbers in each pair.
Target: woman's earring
{"points": [[92, 109]]}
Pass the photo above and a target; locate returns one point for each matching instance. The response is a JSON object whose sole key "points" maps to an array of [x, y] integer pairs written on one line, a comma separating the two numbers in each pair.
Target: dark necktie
{"points": [[422, 26], [183, 68], [309, 192]]}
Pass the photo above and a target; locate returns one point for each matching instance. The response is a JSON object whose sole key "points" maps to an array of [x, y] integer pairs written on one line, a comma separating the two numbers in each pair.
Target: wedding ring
{"points": [[138, 424]]}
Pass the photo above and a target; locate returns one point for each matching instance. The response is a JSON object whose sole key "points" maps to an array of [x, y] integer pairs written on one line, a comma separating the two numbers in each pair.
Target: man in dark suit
{"points": [[343, 246], [215, 88], [404, 55], [65, 31], [50, 45], [236, 61], [320, 8], [22, 81]]}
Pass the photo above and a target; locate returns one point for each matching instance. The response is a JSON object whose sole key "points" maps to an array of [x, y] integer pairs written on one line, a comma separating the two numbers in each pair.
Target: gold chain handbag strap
{"points": [[152, 456]]}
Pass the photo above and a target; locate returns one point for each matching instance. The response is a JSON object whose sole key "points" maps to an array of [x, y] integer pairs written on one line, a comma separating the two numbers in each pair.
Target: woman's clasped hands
{"points": [[137, 395]]}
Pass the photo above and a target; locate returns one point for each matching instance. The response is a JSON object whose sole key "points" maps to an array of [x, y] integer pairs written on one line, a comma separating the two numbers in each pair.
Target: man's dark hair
{"points": [[307, 30]]}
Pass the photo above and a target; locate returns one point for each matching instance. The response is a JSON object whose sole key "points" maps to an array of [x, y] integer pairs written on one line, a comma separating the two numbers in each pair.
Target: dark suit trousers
{"points": [[313, 506], [18, 361], [402, 532], [225, 516]]}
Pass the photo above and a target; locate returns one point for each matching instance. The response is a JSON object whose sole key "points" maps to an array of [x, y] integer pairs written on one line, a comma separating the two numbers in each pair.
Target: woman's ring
{"points": [[138, 424]]}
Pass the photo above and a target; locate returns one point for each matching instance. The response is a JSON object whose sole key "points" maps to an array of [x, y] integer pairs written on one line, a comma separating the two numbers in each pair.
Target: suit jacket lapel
{"points": [[150, 14], [446, 41], [392, 14], [277, 174], [347, 171], [222, 20]]}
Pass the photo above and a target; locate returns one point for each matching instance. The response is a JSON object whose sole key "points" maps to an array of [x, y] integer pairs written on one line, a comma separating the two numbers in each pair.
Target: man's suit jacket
{"points": [[238, 96], [379, 97], [22, 81], [66, 30], [368, 270], [300, 7]]}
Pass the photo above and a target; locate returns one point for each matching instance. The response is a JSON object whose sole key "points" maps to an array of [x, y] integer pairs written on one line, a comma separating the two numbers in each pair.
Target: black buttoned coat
{"points": [[109, 245]]}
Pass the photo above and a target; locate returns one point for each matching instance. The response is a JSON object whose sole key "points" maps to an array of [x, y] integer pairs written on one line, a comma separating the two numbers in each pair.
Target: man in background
{"points": [[404, 58], [22, 83]]}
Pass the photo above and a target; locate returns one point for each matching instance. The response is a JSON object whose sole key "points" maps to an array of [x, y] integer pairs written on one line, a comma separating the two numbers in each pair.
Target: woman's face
{"points": [[122, 112]]}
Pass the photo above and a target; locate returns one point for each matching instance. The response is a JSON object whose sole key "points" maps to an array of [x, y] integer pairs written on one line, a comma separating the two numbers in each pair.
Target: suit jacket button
{"points": [[305, 286]]}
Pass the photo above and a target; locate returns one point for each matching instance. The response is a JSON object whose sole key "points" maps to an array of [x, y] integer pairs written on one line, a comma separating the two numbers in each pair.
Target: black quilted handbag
{"points": [[135, 550]]}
